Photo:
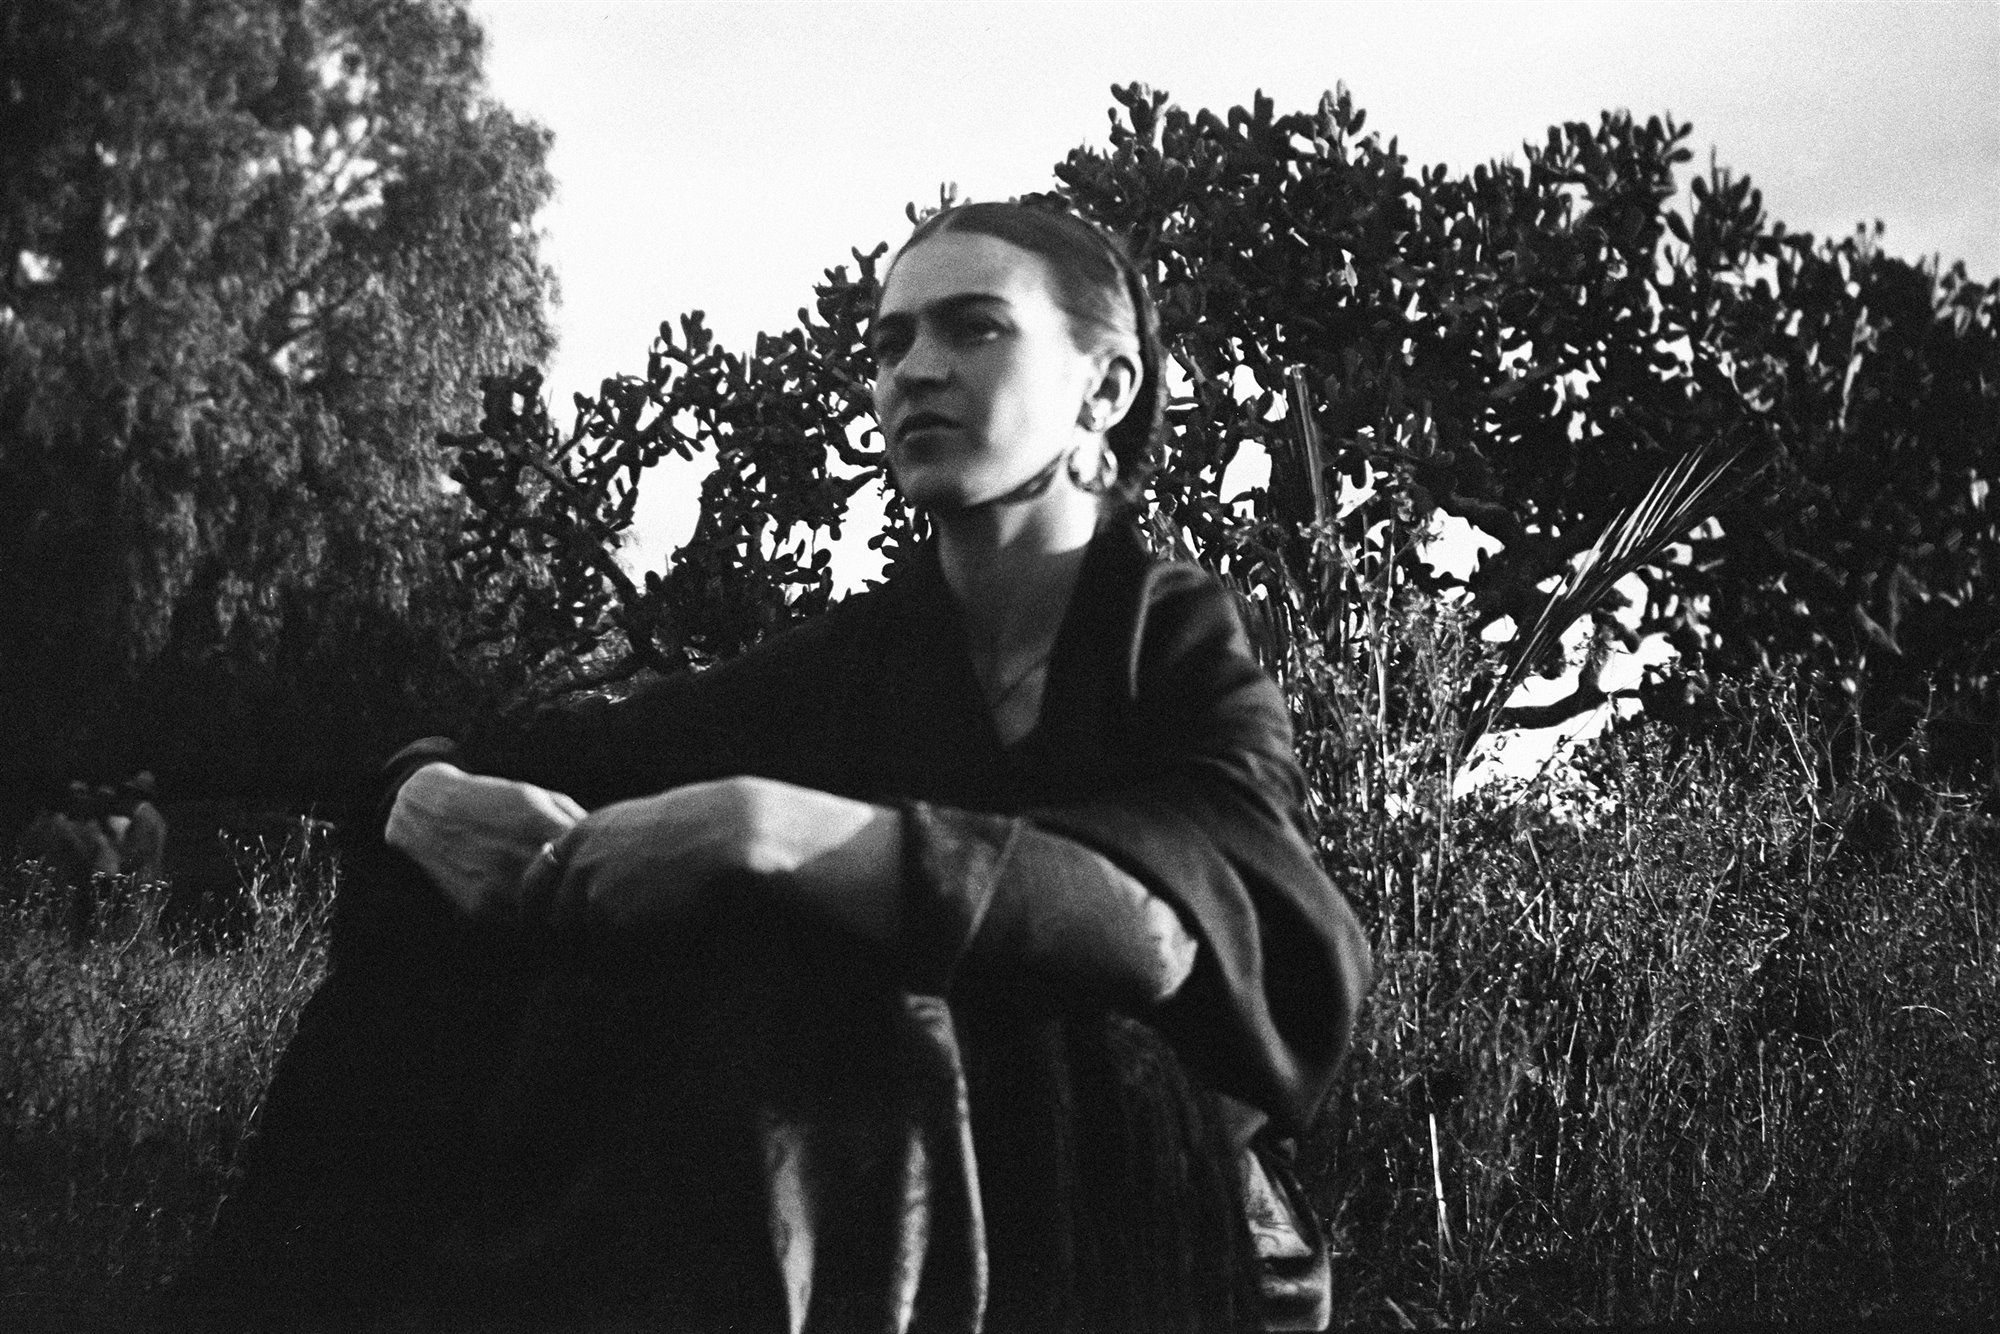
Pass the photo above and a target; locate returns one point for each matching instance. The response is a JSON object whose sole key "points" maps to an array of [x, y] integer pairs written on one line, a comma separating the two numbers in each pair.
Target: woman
{"points": [[941, 962]]}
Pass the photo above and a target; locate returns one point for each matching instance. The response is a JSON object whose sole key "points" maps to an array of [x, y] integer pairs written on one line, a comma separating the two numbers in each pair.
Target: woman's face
{"points": [[979, 385]]}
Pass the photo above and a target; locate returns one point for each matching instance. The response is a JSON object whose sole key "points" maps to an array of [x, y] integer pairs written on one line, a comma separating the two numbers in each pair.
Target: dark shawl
{"points": [[1162, 746]]}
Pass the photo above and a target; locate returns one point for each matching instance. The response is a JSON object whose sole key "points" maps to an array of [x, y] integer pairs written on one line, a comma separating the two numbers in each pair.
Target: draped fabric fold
{"points": [[873, 1189]]}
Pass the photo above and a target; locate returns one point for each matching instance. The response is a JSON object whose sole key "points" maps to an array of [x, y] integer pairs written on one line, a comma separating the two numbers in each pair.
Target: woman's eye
{"points": [[975, 329], [888, 345]]}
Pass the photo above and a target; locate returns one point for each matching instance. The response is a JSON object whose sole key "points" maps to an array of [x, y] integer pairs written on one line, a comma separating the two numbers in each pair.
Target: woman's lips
{"points": [[921, 427], [921, 423]]}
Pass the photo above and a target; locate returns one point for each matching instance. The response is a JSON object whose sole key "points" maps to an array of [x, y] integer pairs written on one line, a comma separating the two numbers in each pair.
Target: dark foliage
{"points": [[255, 256], [1526, 347]]}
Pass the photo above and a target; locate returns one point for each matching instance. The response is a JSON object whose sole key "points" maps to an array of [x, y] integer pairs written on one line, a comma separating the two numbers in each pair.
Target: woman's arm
{"points": [[1034, 901], [1024, 899], [1210, 820], [654, 863]]}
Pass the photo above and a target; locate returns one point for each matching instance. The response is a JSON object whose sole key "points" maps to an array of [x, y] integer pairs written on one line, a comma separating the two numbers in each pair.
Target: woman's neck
{"points": [[1011, 568]]}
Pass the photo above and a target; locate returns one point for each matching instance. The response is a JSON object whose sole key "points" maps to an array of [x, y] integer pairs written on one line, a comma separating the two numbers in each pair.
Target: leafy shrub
{"points": [[1525, 347]]}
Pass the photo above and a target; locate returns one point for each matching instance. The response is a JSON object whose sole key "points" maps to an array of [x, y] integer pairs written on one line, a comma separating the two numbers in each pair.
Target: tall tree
{"points": [[254, 255]]}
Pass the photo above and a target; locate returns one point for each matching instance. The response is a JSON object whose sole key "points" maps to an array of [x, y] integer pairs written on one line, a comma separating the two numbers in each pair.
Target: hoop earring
{"points": [[1102, 479]]}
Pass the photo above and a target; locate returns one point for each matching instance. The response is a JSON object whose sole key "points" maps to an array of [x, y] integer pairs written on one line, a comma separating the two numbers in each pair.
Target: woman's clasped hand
{"points": [[650, 863], [476, 836]]}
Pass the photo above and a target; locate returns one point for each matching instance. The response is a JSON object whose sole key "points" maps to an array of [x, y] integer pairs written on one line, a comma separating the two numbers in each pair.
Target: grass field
{"points": [[131, 1069], [1681, 1035], [1726, 1046]]}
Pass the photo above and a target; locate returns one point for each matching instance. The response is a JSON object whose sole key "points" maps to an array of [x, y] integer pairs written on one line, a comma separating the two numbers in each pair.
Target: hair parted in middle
{"points": [[1099, 288]]}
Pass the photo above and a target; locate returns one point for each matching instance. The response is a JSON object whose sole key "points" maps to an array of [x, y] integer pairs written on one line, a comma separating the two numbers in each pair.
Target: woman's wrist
{"points": [[839, 859], [1013, 896]]}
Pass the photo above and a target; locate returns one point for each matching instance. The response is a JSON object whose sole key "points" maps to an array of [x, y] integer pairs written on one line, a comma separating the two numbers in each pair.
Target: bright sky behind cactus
{"points": [[721, 156]]}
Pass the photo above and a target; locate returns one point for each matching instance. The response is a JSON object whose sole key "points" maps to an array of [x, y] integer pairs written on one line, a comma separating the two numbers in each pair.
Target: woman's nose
{"points": [[926, 362]]}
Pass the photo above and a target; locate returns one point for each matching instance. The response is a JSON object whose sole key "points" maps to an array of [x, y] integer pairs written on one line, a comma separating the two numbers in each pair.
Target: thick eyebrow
{"points": [[956, 304]]}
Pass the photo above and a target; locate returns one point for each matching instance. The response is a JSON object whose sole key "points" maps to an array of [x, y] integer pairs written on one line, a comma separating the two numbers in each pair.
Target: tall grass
{"points": [[1694, 1031], [130, 1069]]}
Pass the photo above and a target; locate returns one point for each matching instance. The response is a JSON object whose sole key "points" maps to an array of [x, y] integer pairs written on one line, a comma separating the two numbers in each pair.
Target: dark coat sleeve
{"points": [[773, 713], [1211, 821], [765, 713]]}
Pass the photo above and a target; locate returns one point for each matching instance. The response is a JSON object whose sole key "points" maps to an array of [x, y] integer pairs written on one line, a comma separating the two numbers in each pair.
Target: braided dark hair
{"points": [[1099, 288]]}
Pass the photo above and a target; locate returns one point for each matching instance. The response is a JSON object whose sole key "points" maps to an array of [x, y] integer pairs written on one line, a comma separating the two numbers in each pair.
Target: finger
{"points": [[554, 807], [557, 891], [542, 877]]}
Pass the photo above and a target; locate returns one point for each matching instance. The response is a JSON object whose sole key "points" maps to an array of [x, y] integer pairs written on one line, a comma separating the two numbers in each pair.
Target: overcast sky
{"points": [[721, 156]]}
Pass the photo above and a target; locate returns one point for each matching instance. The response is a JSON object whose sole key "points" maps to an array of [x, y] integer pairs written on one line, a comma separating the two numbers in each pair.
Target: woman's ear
{"points": [[1116, 386]]}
